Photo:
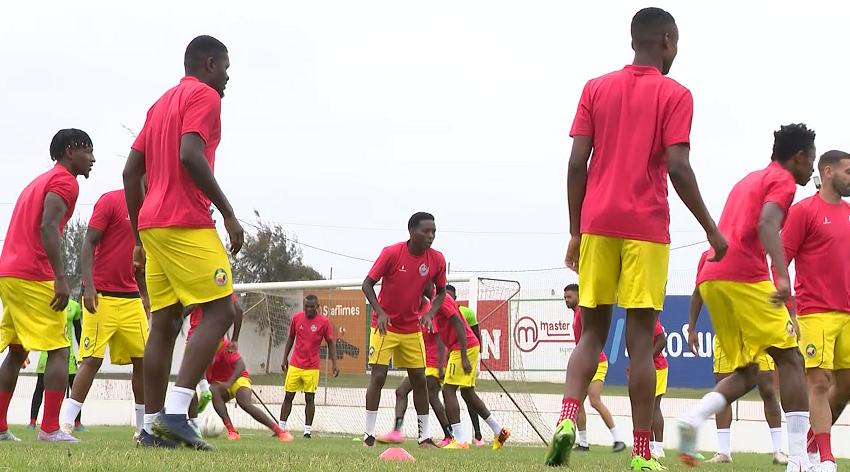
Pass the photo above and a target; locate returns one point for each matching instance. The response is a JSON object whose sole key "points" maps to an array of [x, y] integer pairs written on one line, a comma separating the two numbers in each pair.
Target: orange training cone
{"points": [[396, 454]]}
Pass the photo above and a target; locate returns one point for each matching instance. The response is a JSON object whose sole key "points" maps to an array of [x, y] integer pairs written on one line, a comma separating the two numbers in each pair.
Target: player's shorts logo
{"points": [[86, 342], [789, 328], [220, 277], [313, 328], [371, 352], [423, 270], [811, 351]]}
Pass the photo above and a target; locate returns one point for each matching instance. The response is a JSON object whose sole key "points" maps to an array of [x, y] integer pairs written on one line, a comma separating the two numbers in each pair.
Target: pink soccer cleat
{"points": [[445, 442], [393, 437]]}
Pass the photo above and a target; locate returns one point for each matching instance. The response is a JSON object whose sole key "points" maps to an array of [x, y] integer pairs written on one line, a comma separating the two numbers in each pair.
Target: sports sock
{"points": [[371, 419], [796, 422], [569, 410], [659, 448], [582, 438], [776, 438], [811, 445], [398, 423], [424, 428], [641, 447], [616, 435], [229, 425], [52, 406], [149, 421], [711, 403], [32, 422], [652, 446], [724, 441], [140, 417], [825, 447], [72, 409], [277, 429], [78, 423], [204, 385], [5, 399], [457, 432], [178, 401], [447, 431], [308, 428], [282, 424], [493, 423]]}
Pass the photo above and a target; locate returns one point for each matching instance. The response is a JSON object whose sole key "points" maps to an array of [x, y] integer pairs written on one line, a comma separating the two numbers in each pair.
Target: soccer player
{"points": [[816, 236], [74, 314], [594, 390], [723, 369], [636, 122], [306, 331], [435, 361], [229, 380], [472, 321], [184, 260], [405, 268], [461, 371], [747, 310], [33, 285], [114, 299]]}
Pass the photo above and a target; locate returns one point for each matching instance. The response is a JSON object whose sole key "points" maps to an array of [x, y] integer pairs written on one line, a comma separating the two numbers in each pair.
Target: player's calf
{"points": [[243, 399], [500, 434]]}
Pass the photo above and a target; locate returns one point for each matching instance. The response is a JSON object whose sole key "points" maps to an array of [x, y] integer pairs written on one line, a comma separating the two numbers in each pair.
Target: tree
{"points": [[71, 247]]}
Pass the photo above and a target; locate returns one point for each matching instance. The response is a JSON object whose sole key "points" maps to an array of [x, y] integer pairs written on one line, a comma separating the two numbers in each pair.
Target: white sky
{"points": [[358, 114]]}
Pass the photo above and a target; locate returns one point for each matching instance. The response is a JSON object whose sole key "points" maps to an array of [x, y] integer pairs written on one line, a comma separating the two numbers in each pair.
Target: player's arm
{"points": [[54, 210], [238, 367], [290, 341], [436, 303], [769, 225], [659, 344], [694, 310], [143, 291], [577, 179], [331, 342], [793, 235], [78, 325], [460, 329], [237, 323], [441, 357], [134, 170], [90, 242]]}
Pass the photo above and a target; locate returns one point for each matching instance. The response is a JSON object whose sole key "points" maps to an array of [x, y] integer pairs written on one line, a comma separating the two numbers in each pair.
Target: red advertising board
{"points": [[494, 321]]}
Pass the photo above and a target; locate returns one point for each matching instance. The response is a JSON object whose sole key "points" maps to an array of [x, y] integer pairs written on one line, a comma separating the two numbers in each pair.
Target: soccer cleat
{"points": [[368, 440], [801, 464], [204, 400], [720, 458], [80, 429], [306, 436], [639, 463], [580, 448], [193, 422], [31, 426], [457, 445], [233, 435], [687, 444], [67, 428], [56, 436], [8, 436], [618, 446], [779, 458], [501, 439], [428, 444], [445, 442], [562, 444], [177, 428], [480, 442], [285, 436], [136, 437], [393, 437], [149, 440]]}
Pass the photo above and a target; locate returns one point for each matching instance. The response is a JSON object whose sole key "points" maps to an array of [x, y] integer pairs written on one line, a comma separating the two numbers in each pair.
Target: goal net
{"points": [[340, 401]]}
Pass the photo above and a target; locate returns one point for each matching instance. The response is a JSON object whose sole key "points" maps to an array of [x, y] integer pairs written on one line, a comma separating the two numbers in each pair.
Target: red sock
{"points": [[5, 399], [641, 447], [811, 445], [569, 410], [825, 447], [277, 429], [32, 422], [229, 426], [52, 405], [77, 423]]}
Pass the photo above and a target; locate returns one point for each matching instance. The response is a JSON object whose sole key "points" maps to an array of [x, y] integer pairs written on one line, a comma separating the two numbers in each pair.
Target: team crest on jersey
{"points": [[313, 328], [811, 351], [789, 328], [86, 342], [220, 277], [423, 270]]}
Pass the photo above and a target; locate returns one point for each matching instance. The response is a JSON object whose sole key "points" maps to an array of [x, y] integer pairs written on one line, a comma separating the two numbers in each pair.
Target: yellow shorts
{"points": [[825, 340], [28, 319], [301, 380], [631, 273], [745, 321], [120, 323], [454, 370], [186, 265], [601, 372], [661, 381], [722, 365], [430, 372], [406, 350], [241, 382]]}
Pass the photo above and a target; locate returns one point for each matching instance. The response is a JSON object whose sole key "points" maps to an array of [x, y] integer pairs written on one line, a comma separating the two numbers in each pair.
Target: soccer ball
{"points": [[211, 426]]}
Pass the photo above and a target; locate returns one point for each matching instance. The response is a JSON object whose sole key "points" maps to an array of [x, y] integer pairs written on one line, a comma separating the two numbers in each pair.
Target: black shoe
{"points": [[307, 436], [369, 441], [618, 446], [428, 444], [149, 440], [176, 428], [581, 448]]}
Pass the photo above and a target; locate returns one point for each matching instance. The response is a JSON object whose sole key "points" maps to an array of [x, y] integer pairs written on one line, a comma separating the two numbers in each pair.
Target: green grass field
{"points": [[111, 448]]}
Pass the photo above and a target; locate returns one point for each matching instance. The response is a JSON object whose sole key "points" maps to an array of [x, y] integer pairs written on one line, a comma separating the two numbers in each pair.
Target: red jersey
{"points": [[660, 361], [223, 365], [633, 115], [23, 253], [432, 351], [404, 277], [309, 333], [577, 332], [197, 314], [447, 330], [816, 235], [113, 269], [172, 199], [745, 259]]}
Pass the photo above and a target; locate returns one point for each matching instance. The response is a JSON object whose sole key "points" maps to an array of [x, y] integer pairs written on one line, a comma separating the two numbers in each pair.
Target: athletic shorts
{"points": [[454, 370], [406, 350], [120, 323], [301, 380], [661, 381], [186, 265], [825, 340], [28, 320], [601, 372], [722, 365], [630, 273], [746, 321], [241, 382]]}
